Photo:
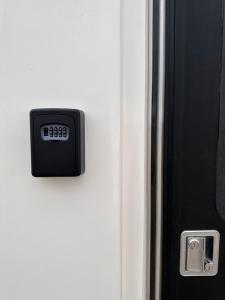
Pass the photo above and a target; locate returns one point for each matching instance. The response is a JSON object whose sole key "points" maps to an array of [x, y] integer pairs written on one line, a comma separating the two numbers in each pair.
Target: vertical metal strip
{"points": [[149, 90], [158, 77], [160, 131]]}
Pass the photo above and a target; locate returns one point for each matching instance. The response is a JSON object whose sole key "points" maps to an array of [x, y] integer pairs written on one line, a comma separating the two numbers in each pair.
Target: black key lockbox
{"points": [[57, 142]]}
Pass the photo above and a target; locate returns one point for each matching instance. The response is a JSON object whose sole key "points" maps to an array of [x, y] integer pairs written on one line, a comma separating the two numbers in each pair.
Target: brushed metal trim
{"points": [[160, 132], [158, 145]]}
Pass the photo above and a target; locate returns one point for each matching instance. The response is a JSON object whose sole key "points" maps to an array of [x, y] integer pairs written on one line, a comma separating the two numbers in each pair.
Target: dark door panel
{"points": [[194, 46]]}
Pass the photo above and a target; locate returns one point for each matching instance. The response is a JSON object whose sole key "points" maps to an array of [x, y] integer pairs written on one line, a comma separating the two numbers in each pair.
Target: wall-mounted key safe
{"points": [[57, 142]]}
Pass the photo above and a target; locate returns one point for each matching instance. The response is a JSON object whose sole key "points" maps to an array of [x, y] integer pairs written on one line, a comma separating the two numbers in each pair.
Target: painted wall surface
{"points": [[73, 238]]}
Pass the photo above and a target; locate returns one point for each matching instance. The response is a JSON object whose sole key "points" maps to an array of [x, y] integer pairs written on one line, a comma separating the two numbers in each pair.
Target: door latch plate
{"points": [[199, 253]]}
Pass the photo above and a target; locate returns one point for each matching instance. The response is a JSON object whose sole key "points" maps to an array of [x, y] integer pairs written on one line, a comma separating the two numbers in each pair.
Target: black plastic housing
{"points": [[57, 158]]}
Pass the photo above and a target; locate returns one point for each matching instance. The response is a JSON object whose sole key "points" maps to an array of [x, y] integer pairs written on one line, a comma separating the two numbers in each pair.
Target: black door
{"points": [[194, 145]]}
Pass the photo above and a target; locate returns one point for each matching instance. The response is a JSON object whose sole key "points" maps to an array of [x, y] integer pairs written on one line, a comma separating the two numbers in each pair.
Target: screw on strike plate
{"points": [[209, 267], [194, 244]]}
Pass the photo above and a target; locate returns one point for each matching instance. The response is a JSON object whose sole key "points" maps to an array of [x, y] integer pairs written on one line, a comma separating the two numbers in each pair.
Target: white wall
{"points": [[73, 238]]}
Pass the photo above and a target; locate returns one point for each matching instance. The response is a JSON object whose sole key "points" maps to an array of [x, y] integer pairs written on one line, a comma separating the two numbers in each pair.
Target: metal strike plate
{"points": [[199, 253]]}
